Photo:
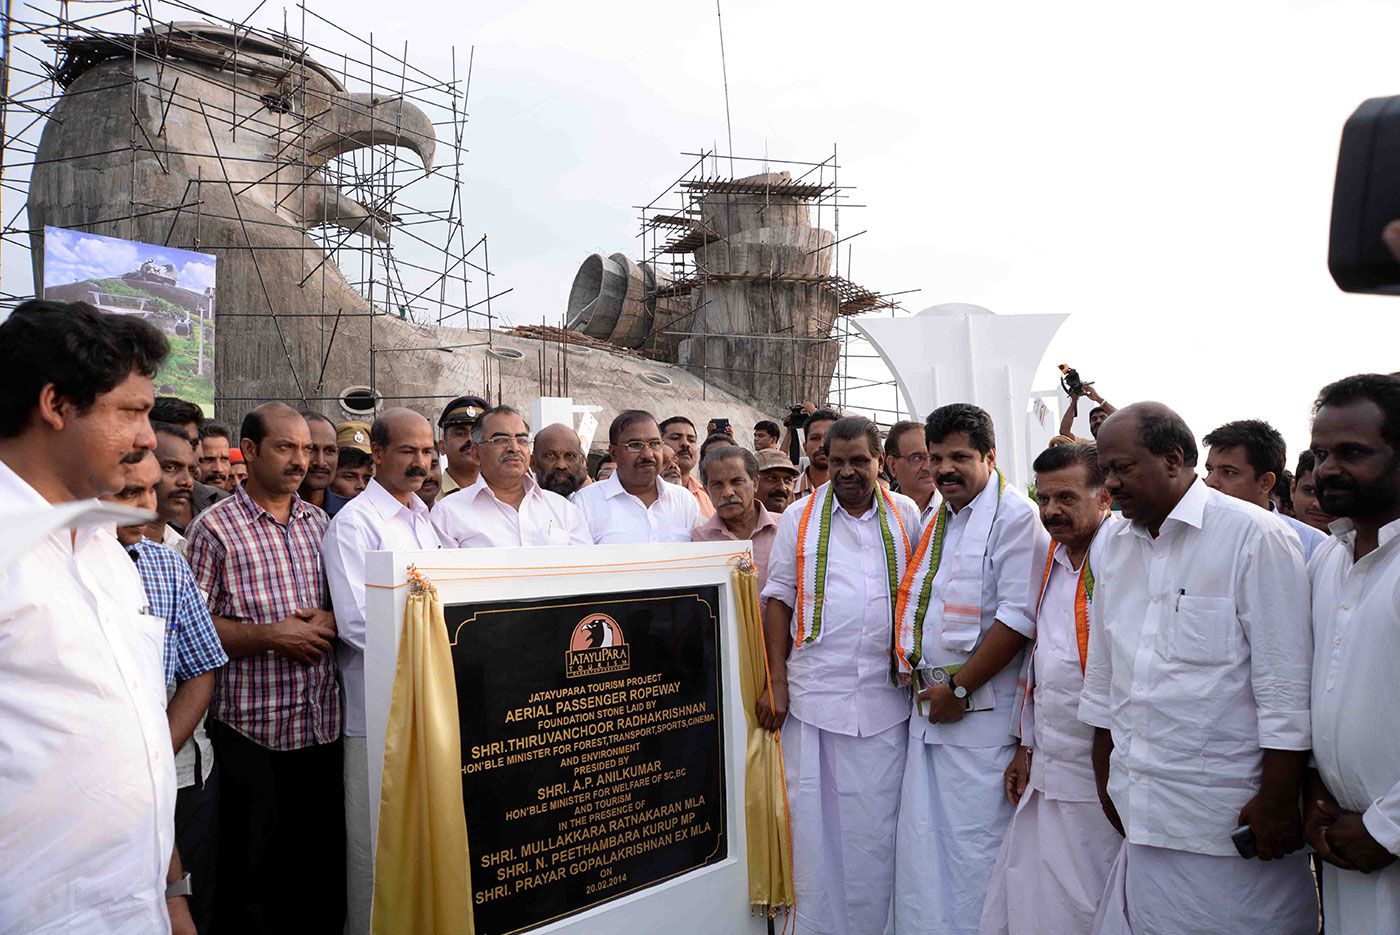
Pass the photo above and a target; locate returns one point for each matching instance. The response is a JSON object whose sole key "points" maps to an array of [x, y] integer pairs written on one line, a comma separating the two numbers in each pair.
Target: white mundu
{"points": [[844, 738], [953, 808], [615, 516], [373, 521], [87, 772], [475, 518], [1356, 736], [1059, 847], [1199, 659]]}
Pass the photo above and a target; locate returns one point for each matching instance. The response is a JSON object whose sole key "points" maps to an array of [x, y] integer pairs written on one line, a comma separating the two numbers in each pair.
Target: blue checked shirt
{"points": [[192, 645]]}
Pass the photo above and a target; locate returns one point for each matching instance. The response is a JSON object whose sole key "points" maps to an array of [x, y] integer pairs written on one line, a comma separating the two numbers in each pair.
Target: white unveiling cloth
{"points": [[615, 516], [1158, 891], [475, 518], [1199, 657], [373, 521], [1356, 736], [87, 773], [953, 807], [843, 797], [842, 682]]}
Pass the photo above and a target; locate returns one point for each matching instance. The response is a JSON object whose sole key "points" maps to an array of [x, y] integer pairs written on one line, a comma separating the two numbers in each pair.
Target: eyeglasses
{"points": [[637, 447], [503, 440], [917, 459]]}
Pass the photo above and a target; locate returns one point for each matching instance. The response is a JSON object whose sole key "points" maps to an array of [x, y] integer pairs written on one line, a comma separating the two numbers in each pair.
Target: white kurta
{"points": [[87, 773], [1199, 658], [1356, 736], [845, 736], [615, 516], [953, 807], [1054, 862], [476, 518]]}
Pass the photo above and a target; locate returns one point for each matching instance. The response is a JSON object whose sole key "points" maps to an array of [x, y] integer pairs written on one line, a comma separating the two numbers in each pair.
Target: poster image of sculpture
{"points": [[172, 289]]}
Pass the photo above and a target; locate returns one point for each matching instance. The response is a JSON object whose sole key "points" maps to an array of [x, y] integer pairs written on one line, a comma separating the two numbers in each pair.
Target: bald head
{"points": [[402, 445], [557, 459], [1148, 453]]}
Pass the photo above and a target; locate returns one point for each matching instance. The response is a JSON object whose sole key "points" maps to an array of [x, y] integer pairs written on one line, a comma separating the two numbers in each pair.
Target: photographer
{"points": [[1097, 415], [795, 419]]}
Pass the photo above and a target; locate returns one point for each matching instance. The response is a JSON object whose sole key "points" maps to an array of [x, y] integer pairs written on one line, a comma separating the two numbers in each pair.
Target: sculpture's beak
{"points": [[354, 121]]}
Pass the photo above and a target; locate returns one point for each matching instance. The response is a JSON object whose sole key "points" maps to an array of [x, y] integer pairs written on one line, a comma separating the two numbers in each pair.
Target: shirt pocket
{"points": [[1202, 630]]}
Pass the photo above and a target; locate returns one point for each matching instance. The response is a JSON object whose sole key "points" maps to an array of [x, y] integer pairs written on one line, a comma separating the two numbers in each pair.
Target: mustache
{"points": [[1326, 485], [318, 469], [737, 501], [294, 471], [949, 479], [415, 471], [135, 457]]}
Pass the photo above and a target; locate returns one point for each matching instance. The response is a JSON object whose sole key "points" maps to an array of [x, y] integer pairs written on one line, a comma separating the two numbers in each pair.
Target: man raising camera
{"points": [[1102, 410]]}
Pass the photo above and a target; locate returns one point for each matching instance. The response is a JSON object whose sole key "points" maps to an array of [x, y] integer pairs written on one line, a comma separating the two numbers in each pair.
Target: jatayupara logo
{"points": [[597, 646]]}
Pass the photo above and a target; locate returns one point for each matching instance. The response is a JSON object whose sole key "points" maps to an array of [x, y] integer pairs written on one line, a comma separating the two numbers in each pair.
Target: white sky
{"points": [[1161, 172]]}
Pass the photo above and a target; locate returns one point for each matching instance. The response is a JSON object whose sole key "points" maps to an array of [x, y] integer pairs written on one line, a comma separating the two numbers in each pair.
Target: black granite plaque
{"points": [[592, 748]]}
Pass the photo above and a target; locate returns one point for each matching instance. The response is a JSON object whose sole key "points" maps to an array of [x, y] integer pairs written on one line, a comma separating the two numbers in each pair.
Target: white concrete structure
{"points": [[964, 353]]}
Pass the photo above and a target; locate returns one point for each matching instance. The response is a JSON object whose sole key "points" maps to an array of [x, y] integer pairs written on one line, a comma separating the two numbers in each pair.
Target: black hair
{"points": [[769, 426], [311, 415], [352, 458], [624, 420], [1283, 492], [821, 415], [1161, 430], [1097, 409], [725, 453], [214, 428], [675, 419], [177, 411], [83, 352], [715, 439], [849, 428], [169, 428], [254, 428], [1062, 456], [1263, 446], [961, 417], [1306, 463], [896, 434], [1381, 389]]}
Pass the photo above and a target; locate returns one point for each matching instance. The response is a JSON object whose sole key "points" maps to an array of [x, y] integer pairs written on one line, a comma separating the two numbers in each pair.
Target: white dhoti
{"points": [[1157, 891], [1052, 868], [953, 814], [1356, 903], [843, 796]]}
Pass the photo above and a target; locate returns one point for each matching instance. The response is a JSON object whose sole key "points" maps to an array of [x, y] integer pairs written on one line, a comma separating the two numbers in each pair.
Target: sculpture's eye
{"points": [[277, 103]]}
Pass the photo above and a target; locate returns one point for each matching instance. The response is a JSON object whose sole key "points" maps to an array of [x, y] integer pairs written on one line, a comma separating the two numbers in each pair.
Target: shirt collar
{"points": [[300, 508], [612, 487], [387, 505], [991, 485], [474, 491], [765, 519], [1190, 509], [1345, 529]]}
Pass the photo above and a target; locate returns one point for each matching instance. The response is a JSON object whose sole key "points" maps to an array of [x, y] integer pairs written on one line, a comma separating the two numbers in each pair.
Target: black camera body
{"points": [[796, 417], [1365, 198], [1072, 383]]}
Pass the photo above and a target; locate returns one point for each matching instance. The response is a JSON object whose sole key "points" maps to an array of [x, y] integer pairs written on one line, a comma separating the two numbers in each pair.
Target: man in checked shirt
{"points": [[275, 719]]}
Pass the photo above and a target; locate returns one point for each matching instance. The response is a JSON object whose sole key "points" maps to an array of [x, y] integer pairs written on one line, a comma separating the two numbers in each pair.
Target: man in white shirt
{"points": [[87, 769], [387, 515], [1197, 687], [1352, 802], [833, 575], [967, 608], [635, 504], [506, 506], [558, 460], [906, 453], [1245, 461], [1051, 778]]}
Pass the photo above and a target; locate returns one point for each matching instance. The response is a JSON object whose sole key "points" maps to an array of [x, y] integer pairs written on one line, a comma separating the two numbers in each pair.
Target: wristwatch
{"points": [[180, 887], [959, 692]]}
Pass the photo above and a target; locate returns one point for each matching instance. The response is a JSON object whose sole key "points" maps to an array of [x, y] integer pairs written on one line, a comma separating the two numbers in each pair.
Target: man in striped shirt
{"points": [[275, 719]]}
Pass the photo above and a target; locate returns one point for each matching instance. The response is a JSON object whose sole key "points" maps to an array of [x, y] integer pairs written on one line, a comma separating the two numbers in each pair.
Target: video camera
{"points": [[796, 417], [1071, 383]]}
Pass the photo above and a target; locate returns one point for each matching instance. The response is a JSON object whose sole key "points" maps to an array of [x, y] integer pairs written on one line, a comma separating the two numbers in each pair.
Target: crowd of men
{"points": [[1129, 703]]}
